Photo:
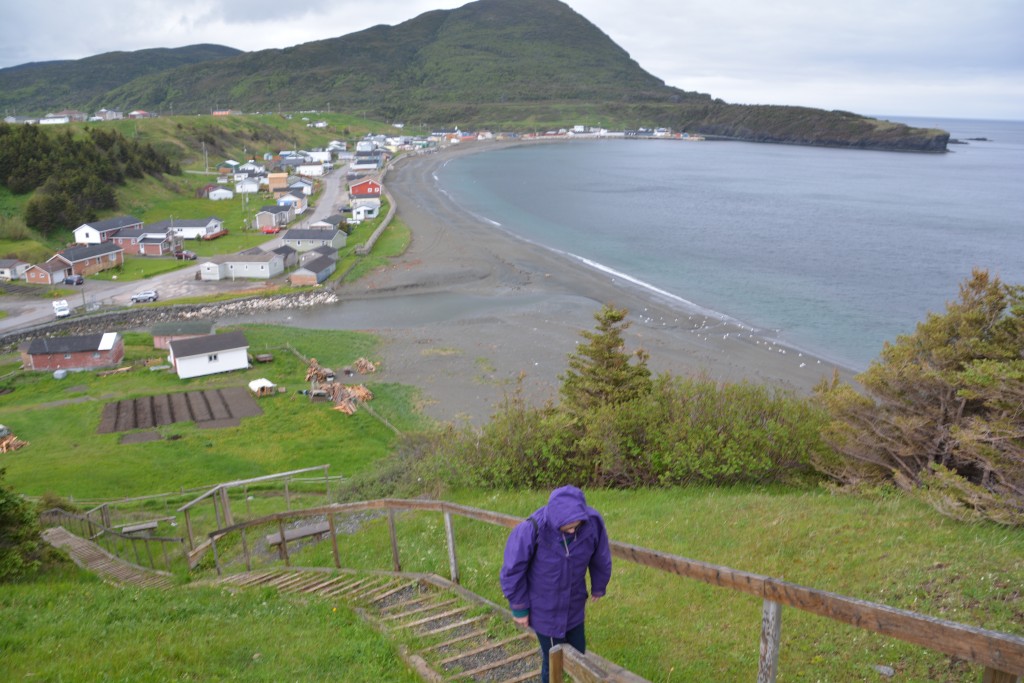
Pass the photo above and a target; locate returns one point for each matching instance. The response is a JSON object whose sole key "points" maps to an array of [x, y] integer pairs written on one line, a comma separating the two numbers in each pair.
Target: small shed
{"points": [[209, 355], [262, 387]]}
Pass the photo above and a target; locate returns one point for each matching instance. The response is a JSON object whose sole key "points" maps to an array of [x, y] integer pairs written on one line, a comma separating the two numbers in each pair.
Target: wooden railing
{"points": [[118, 543], [1001, 654], [586, 668]]}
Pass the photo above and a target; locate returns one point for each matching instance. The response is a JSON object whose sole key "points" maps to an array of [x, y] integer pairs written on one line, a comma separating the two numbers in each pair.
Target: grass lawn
{"points": [[67, 626]]}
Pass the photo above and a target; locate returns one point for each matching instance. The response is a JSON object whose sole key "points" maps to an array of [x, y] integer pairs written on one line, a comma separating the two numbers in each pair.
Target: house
{"points": [[295, 199], [258, 266], [368, 189], [305, 239], [165, 333], [12, 269], [287, 253], [220, 192], [191, 228], [365, 163], [327, 251], [303, 184], [365, 212], [274, 217], [310, 170], [209, 355], [333, 222], [140, 114], [81, 352], [80, 260], [153, 240], [277, 181], [53, 120], [247, 185], [109, 115], [98, 232], [313, 271]]}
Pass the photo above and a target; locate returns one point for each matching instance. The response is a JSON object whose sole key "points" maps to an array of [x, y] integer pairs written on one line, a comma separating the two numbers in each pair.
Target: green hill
{"points": [[499, 64], [49, 86]]}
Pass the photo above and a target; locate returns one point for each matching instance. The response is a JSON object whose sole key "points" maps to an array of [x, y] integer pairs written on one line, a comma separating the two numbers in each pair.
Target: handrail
{"points": [[242, 482], [1001, 654], [586, 668], [106, 537]]}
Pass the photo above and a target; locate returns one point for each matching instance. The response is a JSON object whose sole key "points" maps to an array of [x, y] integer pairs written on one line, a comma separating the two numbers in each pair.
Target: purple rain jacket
{"points": [[551, 580]]}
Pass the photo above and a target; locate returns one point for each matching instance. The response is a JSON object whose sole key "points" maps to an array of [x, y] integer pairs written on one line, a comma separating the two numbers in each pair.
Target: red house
{"points": [[83, 352], [365, 189]]}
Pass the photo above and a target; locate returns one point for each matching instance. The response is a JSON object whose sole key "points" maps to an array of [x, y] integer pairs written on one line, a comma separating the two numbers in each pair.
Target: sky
{"points": [[944, 59]]}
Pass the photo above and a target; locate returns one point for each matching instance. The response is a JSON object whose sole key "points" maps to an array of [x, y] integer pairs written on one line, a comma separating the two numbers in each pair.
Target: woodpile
{"points": [[347, 398], [317, 374], [11, 443], [364, 367], [116, 371]]}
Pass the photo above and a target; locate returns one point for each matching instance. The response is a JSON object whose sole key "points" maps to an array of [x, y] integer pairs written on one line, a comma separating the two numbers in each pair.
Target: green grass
{"points": [[884, 549], [59, 419], [69, 627], [141, 267]]}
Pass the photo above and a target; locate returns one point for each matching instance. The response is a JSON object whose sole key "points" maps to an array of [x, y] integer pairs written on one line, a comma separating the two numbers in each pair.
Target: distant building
{"points": [[83, 352]]}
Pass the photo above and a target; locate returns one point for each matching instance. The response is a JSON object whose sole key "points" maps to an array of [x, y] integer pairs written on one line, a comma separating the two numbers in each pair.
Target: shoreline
{"points": [[499, 308]]}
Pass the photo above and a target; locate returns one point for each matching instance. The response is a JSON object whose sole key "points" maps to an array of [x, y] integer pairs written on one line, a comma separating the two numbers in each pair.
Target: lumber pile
{"points": [[317, 374], [347, 398], [11, 443], [364, 367], [116, 371]]}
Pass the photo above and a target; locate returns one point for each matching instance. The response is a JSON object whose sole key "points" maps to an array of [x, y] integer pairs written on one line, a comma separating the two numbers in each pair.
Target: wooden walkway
{"points": [[93, 558], [450, 630]]}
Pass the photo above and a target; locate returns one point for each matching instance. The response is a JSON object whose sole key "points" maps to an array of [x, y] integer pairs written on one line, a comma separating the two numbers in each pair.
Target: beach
{"points": [[526, 307]]}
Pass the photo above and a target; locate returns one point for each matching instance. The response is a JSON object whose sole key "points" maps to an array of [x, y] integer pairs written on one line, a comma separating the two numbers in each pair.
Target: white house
{"points": [[220, 193], [200, 356], [261, 266], [98, 232], [319, 156], [248, 185], [12, 269], [365, 212], [191, 228], [310, 170]]}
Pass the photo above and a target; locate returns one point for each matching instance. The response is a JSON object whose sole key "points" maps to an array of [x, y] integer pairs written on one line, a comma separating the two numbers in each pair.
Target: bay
{"points": [[829, 251]]}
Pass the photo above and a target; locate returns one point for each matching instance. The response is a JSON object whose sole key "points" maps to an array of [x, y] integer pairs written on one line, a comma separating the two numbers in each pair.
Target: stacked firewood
{"points": [[11, 443], [348, 398], [318, 374], [364, 367]]}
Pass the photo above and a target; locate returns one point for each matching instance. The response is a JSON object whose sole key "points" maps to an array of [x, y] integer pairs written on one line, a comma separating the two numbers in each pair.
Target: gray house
{"points": [[304, 239]]}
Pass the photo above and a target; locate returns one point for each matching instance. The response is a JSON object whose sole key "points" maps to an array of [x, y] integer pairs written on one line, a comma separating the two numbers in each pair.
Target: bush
{"points": [[19, 535]]}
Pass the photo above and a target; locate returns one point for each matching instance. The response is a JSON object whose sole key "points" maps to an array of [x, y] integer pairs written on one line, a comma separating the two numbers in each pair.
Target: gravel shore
{"points": [[528, 307]]}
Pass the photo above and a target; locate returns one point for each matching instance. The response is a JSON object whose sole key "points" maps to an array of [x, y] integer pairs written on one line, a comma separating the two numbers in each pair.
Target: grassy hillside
{"points": [[51, 86]]}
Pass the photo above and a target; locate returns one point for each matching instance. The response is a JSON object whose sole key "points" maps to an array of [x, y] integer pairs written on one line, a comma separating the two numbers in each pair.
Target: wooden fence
{"points": [[119, 543], [1001, 654]]}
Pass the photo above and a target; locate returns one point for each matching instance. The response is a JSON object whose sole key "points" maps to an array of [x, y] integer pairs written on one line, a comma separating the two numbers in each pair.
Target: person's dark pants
{"points": [[577, 637]]}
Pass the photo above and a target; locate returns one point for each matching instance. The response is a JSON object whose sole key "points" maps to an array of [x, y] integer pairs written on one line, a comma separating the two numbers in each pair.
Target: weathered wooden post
{"points": [[188, 529], [287, 496], [556, 663], [225, 504], [283, 548], [453, 562], [216, 558], [149, 553], [397, 566], [334, 539], [771, 637]]}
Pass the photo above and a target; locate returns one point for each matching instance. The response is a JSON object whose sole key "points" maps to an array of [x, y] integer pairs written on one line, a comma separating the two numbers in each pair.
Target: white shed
{"points": [[200, 356]]}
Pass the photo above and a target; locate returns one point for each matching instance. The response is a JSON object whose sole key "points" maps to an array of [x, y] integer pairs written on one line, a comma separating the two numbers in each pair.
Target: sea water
{"points": [[831, 251]]}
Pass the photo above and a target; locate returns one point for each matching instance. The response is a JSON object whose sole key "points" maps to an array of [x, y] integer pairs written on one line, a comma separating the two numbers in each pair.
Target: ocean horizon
{"points": [[829, 251]]}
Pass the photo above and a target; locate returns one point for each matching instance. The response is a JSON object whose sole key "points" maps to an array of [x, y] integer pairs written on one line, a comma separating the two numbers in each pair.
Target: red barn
{"points": [[83, 352], [365, 189]]}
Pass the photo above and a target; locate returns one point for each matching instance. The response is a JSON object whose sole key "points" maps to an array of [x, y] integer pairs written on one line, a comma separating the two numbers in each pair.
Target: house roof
{"points": [[318, 264], [73, 344], [182, 327], [277, 208], [326, 234], [81, 253], [325, 249], [284, 250], [10, 262], [183, 223], [115, 223], [154, 230], [333, 220], [197, 346]]}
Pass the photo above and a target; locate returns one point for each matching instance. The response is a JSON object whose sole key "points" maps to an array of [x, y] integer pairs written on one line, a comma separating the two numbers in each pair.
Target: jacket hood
{"points": [[566, 504]]}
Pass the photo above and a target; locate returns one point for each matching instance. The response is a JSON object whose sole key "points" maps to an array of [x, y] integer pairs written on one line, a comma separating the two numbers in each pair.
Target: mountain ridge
{"points": [[503, 64]]}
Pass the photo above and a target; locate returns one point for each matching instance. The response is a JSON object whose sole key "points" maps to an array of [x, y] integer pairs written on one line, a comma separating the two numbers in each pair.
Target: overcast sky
{"points": [[941, 58]]}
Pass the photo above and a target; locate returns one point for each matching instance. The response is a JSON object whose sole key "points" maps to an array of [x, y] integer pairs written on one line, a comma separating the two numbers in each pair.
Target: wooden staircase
{"points": [[111, 569], [449, 636]]}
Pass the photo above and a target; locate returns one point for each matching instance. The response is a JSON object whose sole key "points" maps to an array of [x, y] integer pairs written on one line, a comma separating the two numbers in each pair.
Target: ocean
{"points": [[833, 252]]}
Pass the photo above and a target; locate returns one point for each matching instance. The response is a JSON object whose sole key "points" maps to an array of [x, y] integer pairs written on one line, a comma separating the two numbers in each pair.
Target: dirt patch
{"points": [[213, 409], [140, 437]]}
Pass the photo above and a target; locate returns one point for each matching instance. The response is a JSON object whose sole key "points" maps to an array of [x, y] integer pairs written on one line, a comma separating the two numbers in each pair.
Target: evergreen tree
{"points": [[19, 535], [600, 371], [944, 410]]}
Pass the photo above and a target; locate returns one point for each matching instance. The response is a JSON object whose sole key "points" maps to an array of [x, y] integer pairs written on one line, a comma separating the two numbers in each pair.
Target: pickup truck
{"points": [[61, 308]]}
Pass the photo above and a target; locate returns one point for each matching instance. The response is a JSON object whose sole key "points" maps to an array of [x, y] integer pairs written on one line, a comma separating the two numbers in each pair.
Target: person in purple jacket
{"points": [[545, 569]]}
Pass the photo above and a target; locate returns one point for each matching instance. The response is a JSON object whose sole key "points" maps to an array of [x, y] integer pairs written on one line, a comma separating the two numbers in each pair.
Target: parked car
{"points": [[74, 280], [144, 296], [270, 229], [185, 255]]}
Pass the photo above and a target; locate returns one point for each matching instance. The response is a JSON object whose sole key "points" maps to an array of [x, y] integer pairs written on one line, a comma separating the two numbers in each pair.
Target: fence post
{"points": [[287, 496], [556, 663], [394, 541], [216, 558], [284, 544], [771, 635], [453, 562], [167, 561], [327, 486], [188, 529], [149, 553], [135, 549], [225, 504], [334, 539]]}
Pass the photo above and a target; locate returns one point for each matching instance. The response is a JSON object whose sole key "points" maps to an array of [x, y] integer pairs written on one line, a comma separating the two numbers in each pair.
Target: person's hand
{"points": [[595, 598], [522, 621]]}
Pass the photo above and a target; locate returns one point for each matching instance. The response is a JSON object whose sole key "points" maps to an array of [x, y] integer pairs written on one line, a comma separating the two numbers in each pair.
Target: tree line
{"points": [[73, 177]]}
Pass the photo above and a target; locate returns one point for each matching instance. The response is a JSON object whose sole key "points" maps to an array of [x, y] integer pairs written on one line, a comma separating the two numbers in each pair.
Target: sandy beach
{"points": [[528, 307]]}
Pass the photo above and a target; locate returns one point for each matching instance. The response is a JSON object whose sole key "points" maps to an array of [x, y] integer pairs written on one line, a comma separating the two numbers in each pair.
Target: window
{"points": [[67, 355], [212, 358]]}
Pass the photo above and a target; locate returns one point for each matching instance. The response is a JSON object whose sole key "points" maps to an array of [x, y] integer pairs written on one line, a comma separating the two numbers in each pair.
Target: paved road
{"points": [[29, 310]]}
